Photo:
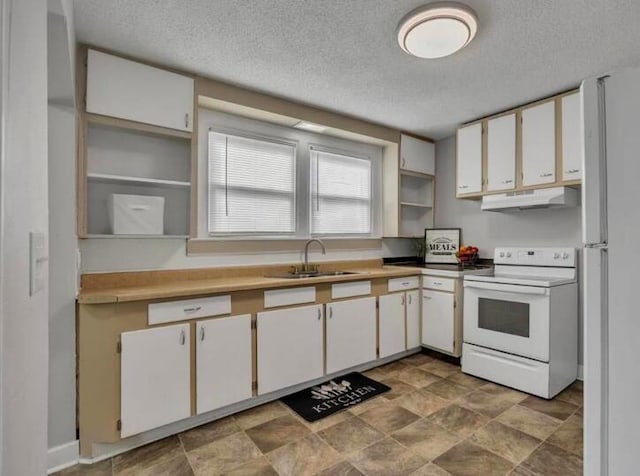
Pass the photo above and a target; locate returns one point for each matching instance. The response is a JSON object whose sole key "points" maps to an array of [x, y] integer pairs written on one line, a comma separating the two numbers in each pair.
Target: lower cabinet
{"points": [[351, 333], [223, 362], [391, 324], [155, 378], [290, 347], [438, 320], [413, 318]]}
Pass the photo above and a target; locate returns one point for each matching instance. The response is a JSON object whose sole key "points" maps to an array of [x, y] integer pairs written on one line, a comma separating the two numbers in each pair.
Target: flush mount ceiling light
{"points": [[437, 30]]}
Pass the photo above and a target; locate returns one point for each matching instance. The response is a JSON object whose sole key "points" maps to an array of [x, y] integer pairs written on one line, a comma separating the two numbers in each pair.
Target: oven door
{"points": [[507, 317]]}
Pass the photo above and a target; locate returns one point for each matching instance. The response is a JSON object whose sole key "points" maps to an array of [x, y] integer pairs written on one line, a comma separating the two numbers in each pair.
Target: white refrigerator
{"points": [[611, 236]]}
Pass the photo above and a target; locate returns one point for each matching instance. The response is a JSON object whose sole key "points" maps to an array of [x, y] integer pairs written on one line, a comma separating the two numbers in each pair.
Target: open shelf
{"points": [[418, 205], [174, 237], [110, 178], [136, 126]]}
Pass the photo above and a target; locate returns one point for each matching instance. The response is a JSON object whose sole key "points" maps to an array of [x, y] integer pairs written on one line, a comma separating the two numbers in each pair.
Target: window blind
{"points": [[251, 185], [340, 194]]}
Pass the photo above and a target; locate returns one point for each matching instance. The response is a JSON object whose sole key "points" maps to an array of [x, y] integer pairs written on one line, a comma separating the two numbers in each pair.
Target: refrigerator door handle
{"points": [[600, 246]]}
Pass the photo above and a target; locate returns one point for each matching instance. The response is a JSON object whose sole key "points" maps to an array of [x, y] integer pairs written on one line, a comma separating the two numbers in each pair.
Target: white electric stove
{"points": [[521, 321]]}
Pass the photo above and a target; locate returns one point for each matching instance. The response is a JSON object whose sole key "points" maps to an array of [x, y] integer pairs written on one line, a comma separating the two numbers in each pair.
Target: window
{"points": [[251, 185], [340, 194]]}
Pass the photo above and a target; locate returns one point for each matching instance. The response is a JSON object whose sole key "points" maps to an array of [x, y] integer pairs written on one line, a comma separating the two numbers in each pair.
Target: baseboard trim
{"points": [[63, 456], [102, 451], [580, 372]]}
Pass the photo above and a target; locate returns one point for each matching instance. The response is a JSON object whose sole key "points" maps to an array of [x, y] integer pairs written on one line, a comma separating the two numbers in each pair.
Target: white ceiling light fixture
{"points": [[310, 126], [437, 30]]}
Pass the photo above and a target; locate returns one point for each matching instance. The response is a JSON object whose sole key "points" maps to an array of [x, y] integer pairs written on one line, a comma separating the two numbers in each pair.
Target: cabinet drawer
{"points": [[289, 296], [357, 288], [173, 311], [440, 284], [400, 284]]}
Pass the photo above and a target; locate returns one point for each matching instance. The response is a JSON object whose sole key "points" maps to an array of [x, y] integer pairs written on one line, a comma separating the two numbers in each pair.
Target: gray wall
{"points": [[24, 209], [542, 227], [63, 243]]}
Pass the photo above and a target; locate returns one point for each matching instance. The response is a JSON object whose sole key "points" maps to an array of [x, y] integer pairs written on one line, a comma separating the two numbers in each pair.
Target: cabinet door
{"points": [[539, 144], [437, 320], [129, 90], [413, 318], [223, 362], [290, 347], [391, 324], [469, 159], [571, 138], [351, 333], [155, 378], [417, 155], [501, 153]]}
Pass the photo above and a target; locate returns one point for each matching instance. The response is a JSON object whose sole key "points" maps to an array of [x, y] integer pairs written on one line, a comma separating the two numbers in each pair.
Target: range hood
{"points": [[556, 197]]}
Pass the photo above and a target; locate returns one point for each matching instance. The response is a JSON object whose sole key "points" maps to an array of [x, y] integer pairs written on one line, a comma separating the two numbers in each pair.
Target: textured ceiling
{"points": [[342, 55]]}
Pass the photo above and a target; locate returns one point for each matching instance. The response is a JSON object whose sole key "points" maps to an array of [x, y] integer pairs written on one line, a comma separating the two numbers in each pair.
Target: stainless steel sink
{"points": [[315, 274]]}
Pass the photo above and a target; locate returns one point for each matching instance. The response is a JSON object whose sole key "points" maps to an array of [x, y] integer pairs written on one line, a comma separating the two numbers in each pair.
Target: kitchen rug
{"points": [[319, 401]]}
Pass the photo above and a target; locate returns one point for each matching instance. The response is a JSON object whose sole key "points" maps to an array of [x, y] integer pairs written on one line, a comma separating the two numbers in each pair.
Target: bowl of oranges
{"points": [[467, 255]]}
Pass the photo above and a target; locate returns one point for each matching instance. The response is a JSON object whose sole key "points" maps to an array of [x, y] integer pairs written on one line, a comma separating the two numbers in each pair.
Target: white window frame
{"points": [[372, 188], [226, 123]]}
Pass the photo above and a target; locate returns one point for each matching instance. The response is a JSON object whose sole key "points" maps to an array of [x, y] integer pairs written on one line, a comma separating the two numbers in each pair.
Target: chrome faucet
{"points": [[306, 253]]}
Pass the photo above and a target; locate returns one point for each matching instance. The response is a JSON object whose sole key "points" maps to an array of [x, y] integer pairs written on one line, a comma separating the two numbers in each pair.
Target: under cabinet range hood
{"points": [[556, 197]]}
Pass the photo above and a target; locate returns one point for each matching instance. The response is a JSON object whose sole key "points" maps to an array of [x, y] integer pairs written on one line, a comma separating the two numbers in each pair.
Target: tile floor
{"points": [[436, 421]]}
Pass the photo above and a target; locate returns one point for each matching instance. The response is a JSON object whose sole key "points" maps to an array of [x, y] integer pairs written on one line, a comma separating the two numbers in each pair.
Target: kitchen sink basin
{"points": [[316, 274]]}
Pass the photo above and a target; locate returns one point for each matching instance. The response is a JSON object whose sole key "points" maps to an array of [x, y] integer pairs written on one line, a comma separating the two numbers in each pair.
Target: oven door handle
{"points": [[507, 288]]}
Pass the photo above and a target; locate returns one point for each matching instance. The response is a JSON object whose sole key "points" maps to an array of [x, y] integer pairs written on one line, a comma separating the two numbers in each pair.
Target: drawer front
{"points": [[439, 284], [289, 296], [174, 311], [523, 374], [400, 284], [344, 290]]}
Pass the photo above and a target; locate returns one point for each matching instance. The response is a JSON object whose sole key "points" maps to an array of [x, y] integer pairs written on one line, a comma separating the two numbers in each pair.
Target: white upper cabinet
{"points": [[501, 153], [126, 89], [417, 155], [571, 138], [223, 362], [155, 378], [469, 160], [539, 144]]}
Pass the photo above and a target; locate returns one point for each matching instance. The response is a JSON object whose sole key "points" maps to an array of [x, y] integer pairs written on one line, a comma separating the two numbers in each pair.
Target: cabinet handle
{"points": [[186, 120], [402, 299], [404, 162], [409, 298], [319, 314], [192, 309], [330, 312], [548, 174], [572, 171], [507, 181], [183, 337], [437, 283], [426, 297], [462, 187], [202, 333]]}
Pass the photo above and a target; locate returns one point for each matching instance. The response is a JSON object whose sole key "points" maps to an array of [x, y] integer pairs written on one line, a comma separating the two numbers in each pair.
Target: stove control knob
{"points": [[565, 255], [556, 255], [502, 254], [508, 254]]}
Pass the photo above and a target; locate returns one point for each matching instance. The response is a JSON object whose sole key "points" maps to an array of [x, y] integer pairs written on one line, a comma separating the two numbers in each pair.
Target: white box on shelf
{"points": [[136, 214]]}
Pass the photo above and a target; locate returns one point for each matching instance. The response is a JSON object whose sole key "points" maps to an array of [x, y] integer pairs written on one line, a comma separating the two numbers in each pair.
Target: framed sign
{"points": [[441, 245]]}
